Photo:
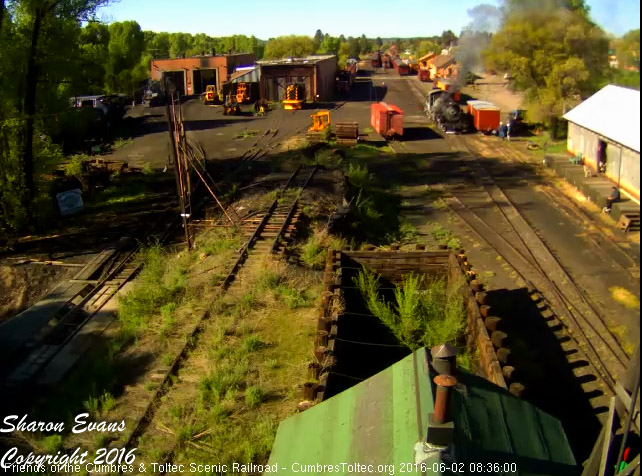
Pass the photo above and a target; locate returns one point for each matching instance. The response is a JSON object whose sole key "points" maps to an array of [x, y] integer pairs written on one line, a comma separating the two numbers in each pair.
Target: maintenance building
{"points": [[192, 75], [316, 73]]}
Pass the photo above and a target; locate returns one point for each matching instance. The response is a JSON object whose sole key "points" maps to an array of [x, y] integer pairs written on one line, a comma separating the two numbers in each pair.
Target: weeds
{"points": [[252, 344], [52, 444], [92, 405], [74, 168], [254, 396], [160, 283], [445, 237], [359, 176], [107, 402], [118, 143], [426, 312], [224, 379], [246, 133], [312, 252]]}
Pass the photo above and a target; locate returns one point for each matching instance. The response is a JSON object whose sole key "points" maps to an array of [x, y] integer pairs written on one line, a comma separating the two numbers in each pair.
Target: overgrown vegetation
{"points": [[426, 311], [255, 347], [161, 282]]}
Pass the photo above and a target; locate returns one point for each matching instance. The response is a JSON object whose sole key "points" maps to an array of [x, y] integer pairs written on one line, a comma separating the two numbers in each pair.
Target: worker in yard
{"points": [[613, 197], [502, 131]]}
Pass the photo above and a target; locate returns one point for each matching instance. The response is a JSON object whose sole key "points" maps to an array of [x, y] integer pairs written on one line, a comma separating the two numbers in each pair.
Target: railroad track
{"points": [[45, 358], [535, 263], [265, 233]]}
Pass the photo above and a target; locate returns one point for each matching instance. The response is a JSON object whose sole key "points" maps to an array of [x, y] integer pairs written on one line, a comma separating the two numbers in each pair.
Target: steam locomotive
{"points": [[446, 113]]}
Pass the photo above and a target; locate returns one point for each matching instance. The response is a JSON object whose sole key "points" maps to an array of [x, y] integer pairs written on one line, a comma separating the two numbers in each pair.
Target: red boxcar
{"points": [[486, 118], [424, 75], [386, 119], [402, 68]]}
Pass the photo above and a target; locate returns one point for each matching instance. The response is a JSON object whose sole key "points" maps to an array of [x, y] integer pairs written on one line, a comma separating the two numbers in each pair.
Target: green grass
{"points": [[213, 243], [119, 194], [359, 176], [445, 237], [252, 344], [426, 311], [122, 142], [107, 402], [254, 396], [246, 133], [161, 282], [52, 444], [224, 380], [313, 253]]}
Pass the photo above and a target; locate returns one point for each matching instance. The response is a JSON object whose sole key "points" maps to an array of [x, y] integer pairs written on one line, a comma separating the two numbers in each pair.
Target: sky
{"points": [[270, 18]]}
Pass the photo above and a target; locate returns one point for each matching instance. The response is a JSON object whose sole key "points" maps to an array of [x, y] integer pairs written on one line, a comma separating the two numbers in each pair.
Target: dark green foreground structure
{"points": [[380, 421]]}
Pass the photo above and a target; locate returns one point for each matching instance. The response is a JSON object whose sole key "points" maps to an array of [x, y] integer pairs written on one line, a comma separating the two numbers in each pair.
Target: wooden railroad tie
{"points": [[629, 221]]}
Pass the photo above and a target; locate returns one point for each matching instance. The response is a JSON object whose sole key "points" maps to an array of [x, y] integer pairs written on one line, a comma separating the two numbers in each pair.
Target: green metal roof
{"points": [[379, 422]]}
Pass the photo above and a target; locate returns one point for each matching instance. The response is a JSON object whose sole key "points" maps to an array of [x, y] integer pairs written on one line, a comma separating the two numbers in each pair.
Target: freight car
{"points": [[401, 67], [446, 113]]}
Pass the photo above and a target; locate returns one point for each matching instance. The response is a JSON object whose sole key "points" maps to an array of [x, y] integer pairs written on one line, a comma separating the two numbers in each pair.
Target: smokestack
{"points": [[442, 398], [441, 428]]}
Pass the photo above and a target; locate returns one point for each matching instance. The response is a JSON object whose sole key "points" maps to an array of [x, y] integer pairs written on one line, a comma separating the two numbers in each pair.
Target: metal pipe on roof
{"points": [[441, 414]]}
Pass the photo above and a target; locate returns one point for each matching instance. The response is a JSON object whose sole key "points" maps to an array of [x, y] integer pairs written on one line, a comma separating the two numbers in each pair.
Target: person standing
{"points": [[501, 131]]}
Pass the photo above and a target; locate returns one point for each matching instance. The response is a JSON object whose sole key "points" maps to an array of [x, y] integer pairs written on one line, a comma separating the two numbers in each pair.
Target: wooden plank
{"points": [[625, 398], [20, 329], [94, 265], [608, 438]]}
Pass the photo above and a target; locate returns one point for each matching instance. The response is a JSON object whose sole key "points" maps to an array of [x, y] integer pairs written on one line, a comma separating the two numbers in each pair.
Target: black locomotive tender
{"points": [[444, 111]]}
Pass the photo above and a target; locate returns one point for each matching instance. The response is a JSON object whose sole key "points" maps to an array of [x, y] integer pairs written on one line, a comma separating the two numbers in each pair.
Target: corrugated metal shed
{"points": [[379, 422], [612, 112], [246, 75]]}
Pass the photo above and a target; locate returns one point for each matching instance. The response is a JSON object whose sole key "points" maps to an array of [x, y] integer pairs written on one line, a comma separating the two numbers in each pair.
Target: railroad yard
{"points": [[204, 351]]}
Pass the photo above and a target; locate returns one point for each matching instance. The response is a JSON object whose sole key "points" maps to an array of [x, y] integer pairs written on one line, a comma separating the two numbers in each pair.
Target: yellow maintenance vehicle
{"points": [[211, 96], [294, 97], [320, 129]]}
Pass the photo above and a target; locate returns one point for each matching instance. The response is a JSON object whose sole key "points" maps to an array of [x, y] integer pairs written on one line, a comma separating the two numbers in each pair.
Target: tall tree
{"points": [[289, 46], [126, 45], [39, 15], [318, 38], [555, 54]]}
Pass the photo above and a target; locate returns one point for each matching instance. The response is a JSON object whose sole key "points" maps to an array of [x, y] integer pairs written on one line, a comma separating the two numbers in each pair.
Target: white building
{"points": [[606, 128]]}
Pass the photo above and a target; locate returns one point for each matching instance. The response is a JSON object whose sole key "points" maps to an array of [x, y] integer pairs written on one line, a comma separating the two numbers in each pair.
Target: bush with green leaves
{"points": [[426, 311]]}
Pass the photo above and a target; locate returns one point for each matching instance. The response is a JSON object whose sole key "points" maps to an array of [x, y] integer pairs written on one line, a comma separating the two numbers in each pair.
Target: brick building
{"points": [[192, 75], [316, 73]]}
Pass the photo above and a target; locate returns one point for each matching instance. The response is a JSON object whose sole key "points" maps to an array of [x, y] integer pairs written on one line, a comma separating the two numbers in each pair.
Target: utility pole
{"points": [[178, 166]]}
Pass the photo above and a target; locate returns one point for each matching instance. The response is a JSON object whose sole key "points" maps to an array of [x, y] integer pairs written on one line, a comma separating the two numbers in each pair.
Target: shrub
{"points": [[254, 396], [107, 402], [252, 344], [313, 253], [359, 176], [426, 311]]}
